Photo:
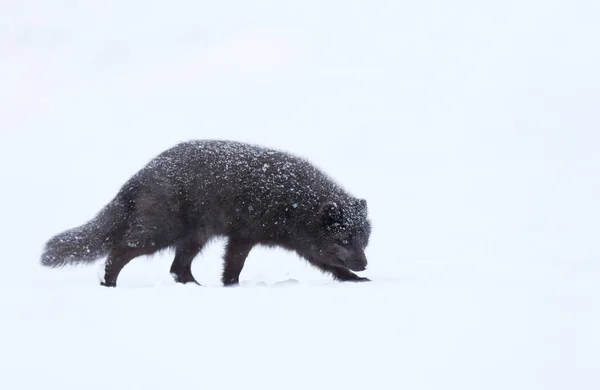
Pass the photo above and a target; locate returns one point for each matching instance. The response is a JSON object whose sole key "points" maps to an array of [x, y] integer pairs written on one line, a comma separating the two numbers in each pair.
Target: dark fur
{"points": [[198, 190]]}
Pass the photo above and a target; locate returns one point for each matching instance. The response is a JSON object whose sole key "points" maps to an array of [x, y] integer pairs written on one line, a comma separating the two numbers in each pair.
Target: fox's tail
{"points": [[86, 243]]}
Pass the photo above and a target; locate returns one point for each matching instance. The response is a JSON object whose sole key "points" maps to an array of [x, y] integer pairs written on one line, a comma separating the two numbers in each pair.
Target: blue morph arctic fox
{"points": [[199, 190]]}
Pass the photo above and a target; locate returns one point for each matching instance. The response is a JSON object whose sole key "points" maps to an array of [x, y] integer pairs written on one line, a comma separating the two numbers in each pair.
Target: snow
{"points": [[411, 332], [470, 128]]}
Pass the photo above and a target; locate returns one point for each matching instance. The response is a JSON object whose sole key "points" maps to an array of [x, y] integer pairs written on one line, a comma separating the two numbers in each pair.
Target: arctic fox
{"points": [[203, 189]]}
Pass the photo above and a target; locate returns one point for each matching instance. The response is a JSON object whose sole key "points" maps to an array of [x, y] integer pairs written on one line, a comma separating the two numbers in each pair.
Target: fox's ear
{"points": [[330, 213]]}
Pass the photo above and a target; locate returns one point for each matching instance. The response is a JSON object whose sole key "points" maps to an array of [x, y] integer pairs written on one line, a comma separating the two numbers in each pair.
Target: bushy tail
{"points": [[86, 243]]}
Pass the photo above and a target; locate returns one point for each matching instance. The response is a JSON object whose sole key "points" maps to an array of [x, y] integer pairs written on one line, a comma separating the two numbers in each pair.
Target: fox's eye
{"points": [[345, 242]]}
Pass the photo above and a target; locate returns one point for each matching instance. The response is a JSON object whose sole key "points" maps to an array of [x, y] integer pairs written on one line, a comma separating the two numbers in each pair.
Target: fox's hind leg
{"points": [[235, 257], [181, 268], [117, 259]]}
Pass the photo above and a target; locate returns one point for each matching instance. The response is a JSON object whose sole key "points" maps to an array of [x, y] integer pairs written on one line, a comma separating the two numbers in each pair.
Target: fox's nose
{"points": [[356, 266], [363, 261]]}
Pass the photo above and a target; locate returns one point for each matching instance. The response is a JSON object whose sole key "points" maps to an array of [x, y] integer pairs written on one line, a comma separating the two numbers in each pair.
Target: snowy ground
{"points": [[414, 332], [470, 127]]}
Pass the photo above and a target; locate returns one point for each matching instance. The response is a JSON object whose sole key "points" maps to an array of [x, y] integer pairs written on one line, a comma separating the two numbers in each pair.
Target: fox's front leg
{"points": [[235, 256]]}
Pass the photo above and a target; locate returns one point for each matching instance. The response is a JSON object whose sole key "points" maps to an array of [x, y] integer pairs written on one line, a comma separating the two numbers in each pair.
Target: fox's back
{"points": [[232, 169]]}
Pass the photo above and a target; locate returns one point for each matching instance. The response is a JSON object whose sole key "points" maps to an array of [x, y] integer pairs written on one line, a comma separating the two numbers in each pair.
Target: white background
{"points": [[471, 128]]}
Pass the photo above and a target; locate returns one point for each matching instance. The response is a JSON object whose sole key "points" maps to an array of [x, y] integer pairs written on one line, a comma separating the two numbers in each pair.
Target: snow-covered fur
{"points": [[198, 190]]}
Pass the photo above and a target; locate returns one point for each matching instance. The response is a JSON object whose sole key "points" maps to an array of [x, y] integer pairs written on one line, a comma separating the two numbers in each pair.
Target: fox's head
{"points": [[344, 231]]}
